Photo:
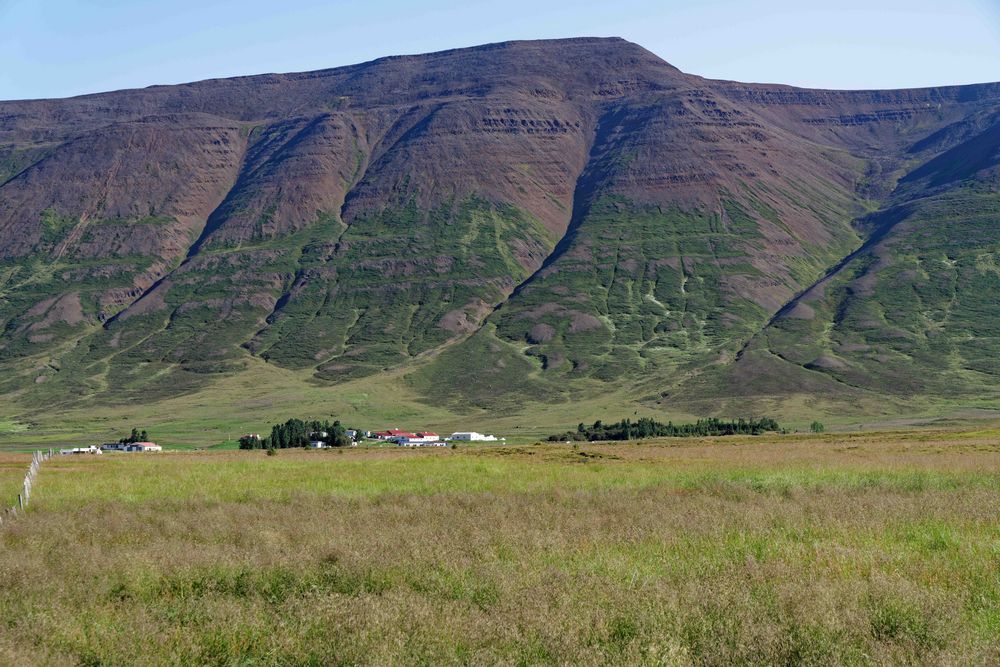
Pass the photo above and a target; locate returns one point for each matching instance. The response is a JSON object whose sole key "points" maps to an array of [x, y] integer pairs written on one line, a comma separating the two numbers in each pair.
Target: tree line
{"points": [[299, 433], [135, 436], [644, 427]]}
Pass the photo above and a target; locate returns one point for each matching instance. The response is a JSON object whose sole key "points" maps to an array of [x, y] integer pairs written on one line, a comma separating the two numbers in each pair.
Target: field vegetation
{"points": [[818, 549], [13, 468], [265, 394]]}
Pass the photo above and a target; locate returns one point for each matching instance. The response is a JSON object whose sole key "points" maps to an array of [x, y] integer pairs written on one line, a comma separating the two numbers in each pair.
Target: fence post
{"points": [[24, 497]]}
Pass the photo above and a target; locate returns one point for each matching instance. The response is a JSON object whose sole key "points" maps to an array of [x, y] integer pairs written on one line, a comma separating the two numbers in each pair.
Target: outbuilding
{"points": [[92, 449], [143, 447], [472, 435], [394, 434]]}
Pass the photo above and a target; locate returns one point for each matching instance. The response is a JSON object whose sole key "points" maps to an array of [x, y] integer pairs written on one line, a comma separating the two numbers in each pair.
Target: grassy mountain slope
{"points": [[499, 227], [913, 312]]}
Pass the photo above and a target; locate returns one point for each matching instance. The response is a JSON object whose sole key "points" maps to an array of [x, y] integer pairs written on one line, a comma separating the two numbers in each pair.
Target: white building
{"points": [[132, 447], [143, 447], [472, 435], [93, 449], [317, 444], [420, 442]]}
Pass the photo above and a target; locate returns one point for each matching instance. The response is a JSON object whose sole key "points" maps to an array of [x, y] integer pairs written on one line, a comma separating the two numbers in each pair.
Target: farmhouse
{"points": [[420, 442], [472, 435], [393, 435], [131, 447], [143, 447], [93, 449]]}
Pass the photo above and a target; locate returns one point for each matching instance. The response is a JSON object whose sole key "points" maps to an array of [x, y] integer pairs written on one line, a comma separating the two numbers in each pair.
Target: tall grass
{"points": [[13, 468], [853, 551]]}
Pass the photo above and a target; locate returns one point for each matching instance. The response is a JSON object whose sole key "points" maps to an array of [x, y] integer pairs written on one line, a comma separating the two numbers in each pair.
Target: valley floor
{"points": [[264, 394], [851, 549]]}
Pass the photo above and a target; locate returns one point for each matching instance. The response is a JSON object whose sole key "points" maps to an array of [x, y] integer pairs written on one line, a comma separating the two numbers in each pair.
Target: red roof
{"points": [[395, 432], [428, 434]]}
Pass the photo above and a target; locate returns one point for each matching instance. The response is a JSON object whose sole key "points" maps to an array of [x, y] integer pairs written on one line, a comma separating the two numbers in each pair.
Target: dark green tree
{"points": [[646, 428]]}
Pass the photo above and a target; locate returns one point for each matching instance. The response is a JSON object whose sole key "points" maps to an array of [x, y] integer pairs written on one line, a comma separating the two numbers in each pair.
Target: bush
{"points": [[817, 427], [250, 442]]}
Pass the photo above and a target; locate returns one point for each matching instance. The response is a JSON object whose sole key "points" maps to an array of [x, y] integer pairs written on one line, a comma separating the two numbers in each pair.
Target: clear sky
{"points": [[56, 48]]}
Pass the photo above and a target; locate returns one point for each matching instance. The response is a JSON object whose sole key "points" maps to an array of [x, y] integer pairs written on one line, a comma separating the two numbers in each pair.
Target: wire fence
{"points": [[23, 498]]}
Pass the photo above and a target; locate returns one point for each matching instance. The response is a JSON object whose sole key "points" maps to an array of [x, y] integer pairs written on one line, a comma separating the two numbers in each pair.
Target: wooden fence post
{"points": [[24, 497]]}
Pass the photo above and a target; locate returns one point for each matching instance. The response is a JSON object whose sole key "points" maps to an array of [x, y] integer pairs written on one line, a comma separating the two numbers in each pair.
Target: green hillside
{"points": [[524, 235]]}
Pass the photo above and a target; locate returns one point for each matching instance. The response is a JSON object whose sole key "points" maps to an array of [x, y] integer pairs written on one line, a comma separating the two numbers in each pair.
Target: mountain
{"points": [[512, 224]]}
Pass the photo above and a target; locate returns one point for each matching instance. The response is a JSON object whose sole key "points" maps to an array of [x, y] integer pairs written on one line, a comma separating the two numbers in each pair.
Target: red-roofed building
{"points": [[394, 434]]}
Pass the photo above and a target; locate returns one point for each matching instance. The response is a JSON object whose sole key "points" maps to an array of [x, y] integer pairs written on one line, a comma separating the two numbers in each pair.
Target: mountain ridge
{"points": [[579, 213]]}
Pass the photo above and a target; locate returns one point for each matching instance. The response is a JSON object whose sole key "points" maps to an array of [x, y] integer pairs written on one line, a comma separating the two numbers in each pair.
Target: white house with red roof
{"points": [[407, 438], [393, 434]]}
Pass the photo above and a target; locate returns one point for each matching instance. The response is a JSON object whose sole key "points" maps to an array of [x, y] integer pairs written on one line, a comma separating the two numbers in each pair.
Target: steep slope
{"points": [[913, 312], [522, 221], [99, 218], [699, 218], [400, 202]]}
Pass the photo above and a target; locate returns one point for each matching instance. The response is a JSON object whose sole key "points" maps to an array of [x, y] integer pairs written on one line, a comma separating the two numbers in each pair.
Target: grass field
{"points": [[264, 394], [851, 549], [13, 468]]}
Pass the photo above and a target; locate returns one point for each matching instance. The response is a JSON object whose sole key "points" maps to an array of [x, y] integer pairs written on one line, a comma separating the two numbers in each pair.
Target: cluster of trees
{"points": [[135, 436], [299, 433], [650, 428]]}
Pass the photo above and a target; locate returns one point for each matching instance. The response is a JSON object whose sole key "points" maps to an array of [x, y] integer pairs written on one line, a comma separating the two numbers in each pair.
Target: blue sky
{"points": [[56, 48]]}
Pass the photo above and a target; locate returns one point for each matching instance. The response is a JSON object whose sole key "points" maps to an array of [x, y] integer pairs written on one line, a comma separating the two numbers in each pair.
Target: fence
{"points": [[29, 479]]}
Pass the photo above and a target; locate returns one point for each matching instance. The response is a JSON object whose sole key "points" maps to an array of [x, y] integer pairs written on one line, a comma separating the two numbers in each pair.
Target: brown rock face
{"points": [[175, 168], [578, 201]]}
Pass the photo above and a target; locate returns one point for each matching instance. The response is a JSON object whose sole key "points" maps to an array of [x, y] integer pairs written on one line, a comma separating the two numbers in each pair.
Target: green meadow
{"points": [[264, 394], [865, 548], [13, 468]]}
